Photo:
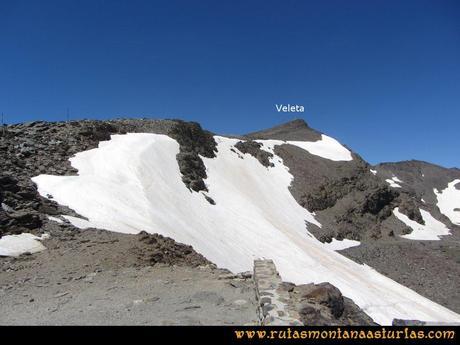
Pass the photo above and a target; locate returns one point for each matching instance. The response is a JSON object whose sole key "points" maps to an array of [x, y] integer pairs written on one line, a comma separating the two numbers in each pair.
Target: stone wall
{"points": [[273, 304]]}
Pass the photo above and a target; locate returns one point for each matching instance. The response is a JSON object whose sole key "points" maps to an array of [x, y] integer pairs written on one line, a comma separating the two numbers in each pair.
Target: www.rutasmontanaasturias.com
{"points": [[340, 333]]}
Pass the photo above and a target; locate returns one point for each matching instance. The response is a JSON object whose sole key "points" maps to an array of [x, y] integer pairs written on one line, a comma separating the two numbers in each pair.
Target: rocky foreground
{"points": [[102, 278], [96, 277]]}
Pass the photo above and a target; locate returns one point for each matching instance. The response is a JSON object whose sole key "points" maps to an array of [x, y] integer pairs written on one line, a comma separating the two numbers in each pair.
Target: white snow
{"points": [[449, 201], [6, 208], [79, 222], [132, 183], [373, 171], [431, 231], [55, 219], [396, 179], [392, 182], [341, 244], [327, 147], [15, 245]]}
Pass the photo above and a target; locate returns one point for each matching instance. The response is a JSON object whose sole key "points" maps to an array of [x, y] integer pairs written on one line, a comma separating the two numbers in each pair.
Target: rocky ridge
{"points": [[349, 200]]}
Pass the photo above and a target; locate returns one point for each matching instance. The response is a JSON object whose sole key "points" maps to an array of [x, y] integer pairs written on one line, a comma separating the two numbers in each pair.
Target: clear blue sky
{"points": [[381, 76]]}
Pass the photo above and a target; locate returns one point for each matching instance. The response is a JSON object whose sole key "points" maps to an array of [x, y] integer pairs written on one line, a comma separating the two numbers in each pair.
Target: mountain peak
{"points": [[296, 129], [296, 123]]}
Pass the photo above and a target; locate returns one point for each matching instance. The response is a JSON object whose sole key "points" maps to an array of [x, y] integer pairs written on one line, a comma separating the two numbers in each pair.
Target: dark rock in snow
{"points": [[193, 170], [254, 149], [193, 142], [192, 138], [210, 200]]}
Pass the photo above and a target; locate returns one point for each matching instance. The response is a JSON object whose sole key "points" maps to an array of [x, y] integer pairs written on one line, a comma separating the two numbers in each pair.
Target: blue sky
{"points": [[381, 76]]}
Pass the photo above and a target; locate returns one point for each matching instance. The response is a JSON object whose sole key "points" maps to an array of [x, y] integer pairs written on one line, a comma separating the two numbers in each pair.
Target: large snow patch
{"points": [[15, 245], [430, 231], [132, 183], [449, 201], [326, 147]]}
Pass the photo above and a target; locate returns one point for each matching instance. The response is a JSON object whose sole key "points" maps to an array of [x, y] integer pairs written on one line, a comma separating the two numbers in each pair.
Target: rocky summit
{"points": [[166, 201]]}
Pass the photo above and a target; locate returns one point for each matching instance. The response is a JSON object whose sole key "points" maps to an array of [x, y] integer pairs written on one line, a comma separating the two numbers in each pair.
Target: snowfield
{"points": [[132, 183], [15, 245], [431, 231], [449, 202]]}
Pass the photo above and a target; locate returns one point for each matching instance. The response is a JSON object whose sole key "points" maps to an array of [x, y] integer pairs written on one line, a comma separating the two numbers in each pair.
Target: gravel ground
{"points": [[98, 278]]}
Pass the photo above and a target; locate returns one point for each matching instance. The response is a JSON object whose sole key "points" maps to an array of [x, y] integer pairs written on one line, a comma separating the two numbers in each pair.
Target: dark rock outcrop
{"points": [[410, 207], [350, 202], [193, 171], [254, 149], [18, 211], [193, 142], [165, 250]]}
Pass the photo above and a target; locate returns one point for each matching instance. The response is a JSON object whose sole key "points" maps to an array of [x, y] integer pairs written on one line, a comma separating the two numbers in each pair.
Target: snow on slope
{"points": [[15, 245], [431, 231], [341, 244], [396, 179], [449, 202], [55, 219], [327, 147], [132, 183], [392, 182]]}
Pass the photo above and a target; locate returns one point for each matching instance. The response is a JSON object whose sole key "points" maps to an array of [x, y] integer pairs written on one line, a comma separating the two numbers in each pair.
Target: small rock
{"points": [[192, 307]]}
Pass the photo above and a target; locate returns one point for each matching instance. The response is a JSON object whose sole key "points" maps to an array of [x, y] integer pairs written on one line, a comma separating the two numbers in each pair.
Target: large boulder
{"points": [[323, 304]]}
